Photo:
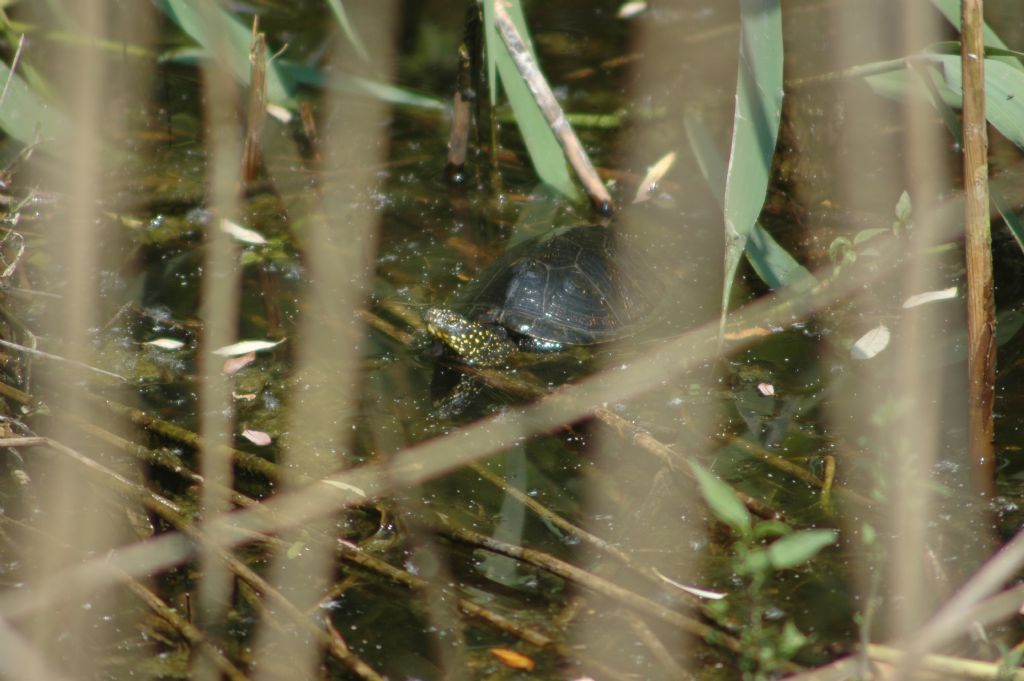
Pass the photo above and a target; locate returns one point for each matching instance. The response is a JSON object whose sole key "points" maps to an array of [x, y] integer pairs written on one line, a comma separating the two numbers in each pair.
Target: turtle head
{"points": [[474, 343]]}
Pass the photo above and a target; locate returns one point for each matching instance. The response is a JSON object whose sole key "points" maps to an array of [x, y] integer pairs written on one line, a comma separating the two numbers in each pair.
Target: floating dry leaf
{"points": [[929, 297], [871, 343], [257, 437], [245, 347], [751, 332], [243, 234], [513, 659], [654, 175], [166, 343], [232, 366]]}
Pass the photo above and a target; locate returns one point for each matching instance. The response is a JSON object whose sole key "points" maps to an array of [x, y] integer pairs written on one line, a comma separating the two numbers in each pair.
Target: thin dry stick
{"points": [[602, 586], [659, 652], [354, 554], [981, 319], [552, 111], [174, 515], [191, 633], [14, 66], [243, 460], [957, 667], [45, 355]]}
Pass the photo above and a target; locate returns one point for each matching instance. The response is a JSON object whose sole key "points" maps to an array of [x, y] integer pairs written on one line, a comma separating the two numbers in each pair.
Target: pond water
{"points": [[784, 408]]}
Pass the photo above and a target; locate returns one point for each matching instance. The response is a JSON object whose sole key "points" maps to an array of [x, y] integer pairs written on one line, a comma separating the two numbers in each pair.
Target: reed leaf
{"points": [[26, 116], [772, 263], [545, 152], [755, 127]]}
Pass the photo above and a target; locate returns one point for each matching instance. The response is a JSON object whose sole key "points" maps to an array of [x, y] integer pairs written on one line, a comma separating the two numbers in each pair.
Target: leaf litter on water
{"points": [[871, 343], [246, 346], [166, 343], [929, 297]]}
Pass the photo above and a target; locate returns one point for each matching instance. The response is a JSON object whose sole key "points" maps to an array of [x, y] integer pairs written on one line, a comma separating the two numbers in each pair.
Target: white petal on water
{"points": [[871, 343], [243, 234], [166, 343], [654, 175], [257, 437], [699, 593], [929, 297], [233, 365], [242, 347], [344, 486]]}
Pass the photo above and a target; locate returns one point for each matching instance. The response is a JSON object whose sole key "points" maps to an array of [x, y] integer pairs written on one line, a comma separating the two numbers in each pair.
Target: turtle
{"points": [[569, 287]]}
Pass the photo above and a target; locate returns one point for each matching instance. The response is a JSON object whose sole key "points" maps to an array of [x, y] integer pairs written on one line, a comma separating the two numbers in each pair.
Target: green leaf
{"points": [[1004, 94], [799, 547], [755, 562], [295, 550], [950, 9], [24, 114], [868, 535], [770, 261], [903, 208], [773, 264], [945, 109], [770, 528], [545, 152], [393, 94], [791, 640], [722, 500], [220, 33]]}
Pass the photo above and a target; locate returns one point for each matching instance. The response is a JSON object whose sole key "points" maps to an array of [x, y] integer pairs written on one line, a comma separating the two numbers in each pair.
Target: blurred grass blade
{"points": [[545, 152], [230, 37], [772, 263], [349, 28], [357, 85], [755, 127], [24, 115]]}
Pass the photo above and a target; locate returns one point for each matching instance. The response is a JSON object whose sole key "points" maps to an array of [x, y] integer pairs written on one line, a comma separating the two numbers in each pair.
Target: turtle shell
{"points": [[571, 286]]}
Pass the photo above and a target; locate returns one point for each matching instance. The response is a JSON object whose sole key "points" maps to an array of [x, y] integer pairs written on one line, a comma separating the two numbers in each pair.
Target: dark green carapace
{"points": [[572, 286]]}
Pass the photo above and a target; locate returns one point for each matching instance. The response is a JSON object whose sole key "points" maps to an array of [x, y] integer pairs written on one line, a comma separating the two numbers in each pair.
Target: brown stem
{"points": [[981, 321], [252, 152], [552, 111]]}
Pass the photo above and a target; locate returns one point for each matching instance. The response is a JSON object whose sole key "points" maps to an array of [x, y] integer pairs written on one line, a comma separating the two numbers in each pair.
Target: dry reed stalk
{"points": [[981, 314], [340, 244], [219, 300], [549, 106]]}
